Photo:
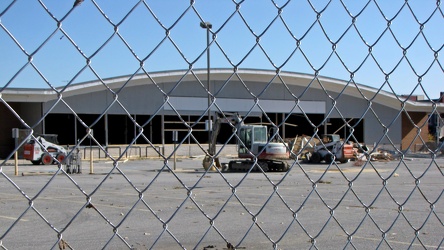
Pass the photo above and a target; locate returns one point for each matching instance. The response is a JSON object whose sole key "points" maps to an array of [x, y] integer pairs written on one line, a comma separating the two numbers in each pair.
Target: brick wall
{"points": [[409, 131]]}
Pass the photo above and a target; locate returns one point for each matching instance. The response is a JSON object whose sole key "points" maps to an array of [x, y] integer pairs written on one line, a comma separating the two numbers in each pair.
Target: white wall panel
{"points": [[245, 105]]}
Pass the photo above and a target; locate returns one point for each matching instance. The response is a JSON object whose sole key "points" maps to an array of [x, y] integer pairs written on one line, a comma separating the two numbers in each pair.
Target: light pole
{"points": [[208, 26]]}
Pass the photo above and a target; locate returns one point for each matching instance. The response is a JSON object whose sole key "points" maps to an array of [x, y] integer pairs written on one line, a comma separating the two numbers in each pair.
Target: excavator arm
{"points": [[220, 118]]}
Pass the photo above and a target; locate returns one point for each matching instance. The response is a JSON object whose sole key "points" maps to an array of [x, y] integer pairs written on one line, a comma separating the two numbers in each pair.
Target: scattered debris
{"points": [[302, 144], [381, 155], [230, 246], [305, 144], [90, 205], [325, 182], [360, 158], [64, 245]]}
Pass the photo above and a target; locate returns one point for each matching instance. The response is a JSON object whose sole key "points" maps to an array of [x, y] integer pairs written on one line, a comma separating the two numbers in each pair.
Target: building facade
{"points": [[145, 109]]}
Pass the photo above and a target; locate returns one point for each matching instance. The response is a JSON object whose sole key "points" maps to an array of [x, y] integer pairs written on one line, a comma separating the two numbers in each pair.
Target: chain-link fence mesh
{"points": [[387, 199]]}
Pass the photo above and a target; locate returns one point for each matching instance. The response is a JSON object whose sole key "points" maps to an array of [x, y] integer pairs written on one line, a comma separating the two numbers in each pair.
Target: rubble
{"points": [[303, 144], [381, 155]]}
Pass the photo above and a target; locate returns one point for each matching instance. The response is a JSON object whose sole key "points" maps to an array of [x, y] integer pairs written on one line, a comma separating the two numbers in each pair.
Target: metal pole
{"points": [[106, 131], [174, 156], [437, 129], [175, 139], [283, 127], [16, 169], [135, 129], [75, 131], [91, 155], [15, 135], [208, 26], [16, 156], [91, 160], [209, 87], [162, 132], [325, 127]]}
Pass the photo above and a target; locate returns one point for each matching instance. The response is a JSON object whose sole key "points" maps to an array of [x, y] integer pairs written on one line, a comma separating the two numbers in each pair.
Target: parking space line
{"points": [[12, 218], [394, 241]]}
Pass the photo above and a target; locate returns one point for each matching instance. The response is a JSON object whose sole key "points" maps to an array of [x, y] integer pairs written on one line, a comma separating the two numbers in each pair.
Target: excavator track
{"points": [[265, 165]]}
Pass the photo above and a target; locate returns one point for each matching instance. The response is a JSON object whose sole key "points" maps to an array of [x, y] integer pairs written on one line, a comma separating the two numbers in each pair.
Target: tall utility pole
{"points": [[208, 26]]}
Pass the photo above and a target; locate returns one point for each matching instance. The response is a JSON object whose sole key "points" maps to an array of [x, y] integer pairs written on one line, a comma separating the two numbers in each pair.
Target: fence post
{"points": [[15, 135], [175, 135], [91, 164]]}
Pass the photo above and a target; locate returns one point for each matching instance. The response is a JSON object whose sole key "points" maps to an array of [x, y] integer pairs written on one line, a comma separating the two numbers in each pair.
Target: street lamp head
{"points": [[206, 25]]}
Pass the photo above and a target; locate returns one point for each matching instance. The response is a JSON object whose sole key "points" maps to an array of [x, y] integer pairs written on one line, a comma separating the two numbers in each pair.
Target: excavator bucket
{"points": [[208, 163]]}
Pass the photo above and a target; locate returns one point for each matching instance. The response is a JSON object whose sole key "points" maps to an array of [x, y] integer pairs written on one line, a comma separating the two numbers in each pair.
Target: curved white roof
{"points": [[251, 75]]}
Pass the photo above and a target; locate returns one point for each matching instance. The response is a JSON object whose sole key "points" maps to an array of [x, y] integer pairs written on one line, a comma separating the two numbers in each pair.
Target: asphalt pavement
{"points": [[144, 204]]}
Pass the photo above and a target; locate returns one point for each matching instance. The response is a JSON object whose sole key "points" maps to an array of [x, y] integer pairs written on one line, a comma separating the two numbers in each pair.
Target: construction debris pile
{"points": [[301, 145], [381, 155]]}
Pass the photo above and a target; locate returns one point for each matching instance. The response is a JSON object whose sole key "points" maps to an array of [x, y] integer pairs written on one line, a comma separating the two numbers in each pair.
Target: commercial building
{"points": [[144, 109]]}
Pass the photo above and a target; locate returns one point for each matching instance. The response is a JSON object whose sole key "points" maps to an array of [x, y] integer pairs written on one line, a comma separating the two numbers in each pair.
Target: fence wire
{"points": [[392, 204]]}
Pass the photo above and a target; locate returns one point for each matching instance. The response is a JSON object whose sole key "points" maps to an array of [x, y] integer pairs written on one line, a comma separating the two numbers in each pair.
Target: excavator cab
{"points": [[244, 142], [254, 142], [249, 137]]}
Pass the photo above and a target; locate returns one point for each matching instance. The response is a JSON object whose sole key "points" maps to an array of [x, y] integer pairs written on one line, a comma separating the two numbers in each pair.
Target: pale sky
{"points": [[407, 53]]}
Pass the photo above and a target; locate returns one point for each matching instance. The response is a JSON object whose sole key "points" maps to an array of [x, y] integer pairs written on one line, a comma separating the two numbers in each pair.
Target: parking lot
{"points": [[142, 204]]}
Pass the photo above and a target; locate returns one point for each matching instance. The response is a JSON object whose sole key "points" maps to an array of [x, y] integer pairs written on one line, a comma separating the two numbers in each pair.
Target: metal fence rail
{"points": [[391, 204]]}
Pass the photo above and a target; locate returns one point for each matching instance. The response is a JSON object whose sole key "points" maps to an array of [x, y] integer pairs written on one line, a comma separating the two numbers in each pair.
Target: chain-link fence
{"points": [[221, 124]]}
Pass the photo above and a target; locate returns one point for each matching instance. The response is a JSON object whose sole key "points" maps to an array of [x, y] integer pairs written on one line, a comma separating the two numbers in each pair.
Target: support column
{"points": [[162, 132], [106, 130]]}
